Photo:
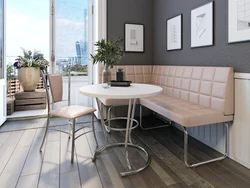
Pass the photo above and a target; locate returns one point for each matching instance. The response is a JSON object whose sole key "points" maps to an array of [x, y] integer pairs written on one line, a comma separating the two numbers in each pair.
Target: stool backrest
{"points": [[56, 86]]}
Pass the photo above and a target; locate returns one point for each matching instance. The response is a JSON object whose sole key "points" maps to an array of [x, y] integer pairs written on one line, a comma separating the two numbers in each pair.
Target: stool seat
{"points": [[72, 112]]}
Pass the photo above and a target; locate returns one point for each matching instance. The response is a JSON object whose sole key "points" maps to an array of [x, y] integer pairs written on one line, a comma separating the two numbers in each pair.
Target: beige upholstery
{"points": [[192, 96], [56, 86], [183, 112], [72, 112], [116, 102], [136, 74], [69, 112], [212, 87]]}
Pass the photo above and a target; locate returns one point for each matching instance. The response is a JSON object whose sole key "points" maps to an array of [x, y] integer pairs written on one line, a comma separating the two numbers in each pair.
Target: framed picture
{"points": [[238, 21], [134, 37], [202, 26], [174, 33]]}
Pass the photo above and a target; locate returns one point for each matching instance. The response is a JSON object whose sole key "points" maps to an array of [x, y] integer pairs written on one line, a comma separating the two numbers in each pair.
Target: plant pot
{"points": [[106, 75], [29, 77]]}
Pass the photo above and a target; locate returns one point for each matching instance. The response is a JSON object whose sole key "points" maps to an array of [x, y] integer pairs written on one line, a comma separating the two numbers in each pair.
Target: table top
{"points": [[132, 92]]}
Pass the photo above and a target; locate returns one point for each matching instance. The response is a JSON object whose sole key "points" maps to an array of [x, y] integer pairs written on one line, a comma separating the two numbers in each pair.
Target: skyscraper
{"points": [[85, 39], [82, 45], [80, 52]]}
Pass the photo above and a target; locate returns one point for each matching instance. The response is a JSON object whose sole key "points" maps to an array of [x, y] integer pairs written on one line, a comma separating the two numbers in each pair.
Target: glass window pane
{"points": [[71, 45], [27, 26]]}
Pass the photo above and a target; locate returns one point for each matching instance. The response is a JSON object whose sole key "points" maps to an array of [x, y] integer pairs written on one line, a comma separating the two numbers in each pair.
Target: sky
{"points": [[27, 26]]}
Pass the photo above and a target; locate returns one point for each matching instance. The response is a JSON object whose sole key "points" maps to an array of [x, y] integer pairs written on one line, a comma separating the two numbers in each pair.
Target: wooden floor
{"points": [[23, 166]]}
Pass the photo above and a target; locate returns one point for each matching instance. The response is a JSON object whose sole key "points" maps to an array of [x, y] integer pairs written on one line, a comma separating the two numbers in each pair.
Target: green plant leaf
{"points": [[35, 60], [108, 52]]}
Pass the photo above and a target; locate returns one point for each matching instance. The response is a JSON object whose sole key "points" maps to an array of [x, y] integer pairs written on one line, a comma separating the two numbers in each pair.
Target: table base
{"points": [[128, 142], [129, 172], [109, 127]]}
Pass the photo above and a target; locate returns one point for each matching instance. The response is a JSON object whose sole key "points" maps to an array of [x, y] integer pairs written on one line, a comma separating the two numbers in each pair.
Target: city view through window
{"points": [[28, 27], [71, 35]]}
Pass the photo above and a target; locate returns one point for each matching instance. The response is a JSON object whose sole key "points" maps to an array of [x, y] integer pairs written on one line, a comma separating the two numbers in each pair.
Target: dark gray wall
{"points": [[133, 11], [221, 54]]}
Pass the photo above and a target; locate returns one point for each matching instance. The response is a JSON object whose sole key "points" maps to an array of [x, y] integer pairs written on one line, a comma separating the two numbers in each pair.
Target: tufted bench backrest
{"points": [[136, 74], [211, 87]]}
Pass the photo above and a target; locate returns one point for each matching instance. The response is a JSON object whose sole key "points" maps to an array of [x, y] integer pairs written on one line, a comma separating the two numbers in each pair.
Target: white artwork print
{"points": [[202, 26], [174, 33], [134, 39], [243, 14], [238, 20]]}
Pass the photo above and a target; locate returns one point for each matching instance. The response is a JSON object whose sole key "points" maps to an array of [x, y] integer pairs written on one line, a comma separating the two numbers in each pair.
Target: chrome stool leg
{"points": [[93, 128], [46, 132], [69, 128], [73, 140]]}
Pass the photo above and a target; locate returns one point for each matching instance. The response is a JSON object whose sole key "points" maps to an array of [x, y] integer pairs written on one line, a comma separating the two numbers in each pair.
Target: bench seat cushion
{"points": [[115, 102], [183, 112]]}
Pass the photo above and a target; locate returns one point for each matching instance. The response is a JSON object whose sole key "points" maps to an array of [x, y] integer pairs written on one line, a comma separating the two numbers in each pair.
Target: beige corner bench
{"points": [[193, 96]]}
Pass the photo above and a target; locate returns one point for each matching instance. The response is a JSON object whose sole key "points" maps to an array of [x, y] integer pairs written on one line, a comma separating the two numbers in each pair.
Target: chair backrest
{"points": [[56, 86]]}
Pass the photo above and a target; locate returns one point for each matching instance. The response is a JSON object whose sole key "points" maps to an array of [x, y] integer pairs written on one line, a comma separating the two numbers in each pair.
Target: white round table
{"points": [[133, 92]]}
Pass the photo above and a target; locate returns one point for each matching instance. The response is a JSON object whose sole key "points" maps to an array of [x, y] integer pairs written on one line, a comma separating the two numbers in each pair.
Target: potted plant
{"points": [[109, 53], [10, 77], [29, 66]]}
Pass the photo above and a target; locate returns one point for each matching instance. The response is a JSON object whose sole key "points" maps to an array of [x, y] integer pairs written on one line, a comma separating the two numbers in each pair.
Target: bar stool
{"points": [[70, 112]]}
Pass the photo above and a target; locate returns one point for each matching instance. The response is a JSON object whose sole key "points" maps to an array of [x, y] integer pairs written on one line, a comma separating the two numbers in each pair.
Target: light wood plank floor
{"points": [[23, 166]]}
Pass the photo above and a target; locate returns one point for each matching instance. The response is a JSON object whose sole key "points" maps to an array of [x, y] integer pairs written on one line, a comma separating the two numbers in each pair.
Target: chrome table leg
{"points": [[93, 128], [99, 150], [127, 143], [109, 122], [127, 135]]}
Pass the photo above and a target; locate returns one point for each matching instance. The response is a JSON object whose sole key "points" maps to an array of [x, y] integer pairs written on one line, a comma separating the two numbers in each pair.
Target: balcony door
{"points": [[70, 46], [2, 67], [57, 28]]}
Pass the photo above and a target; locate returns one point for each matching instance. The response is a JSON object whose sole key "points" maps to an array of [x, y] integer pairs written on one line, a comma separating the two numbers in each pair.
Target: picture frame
{"points": [[134, 37], [238, 21], [202, 26], [174, 33]]}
